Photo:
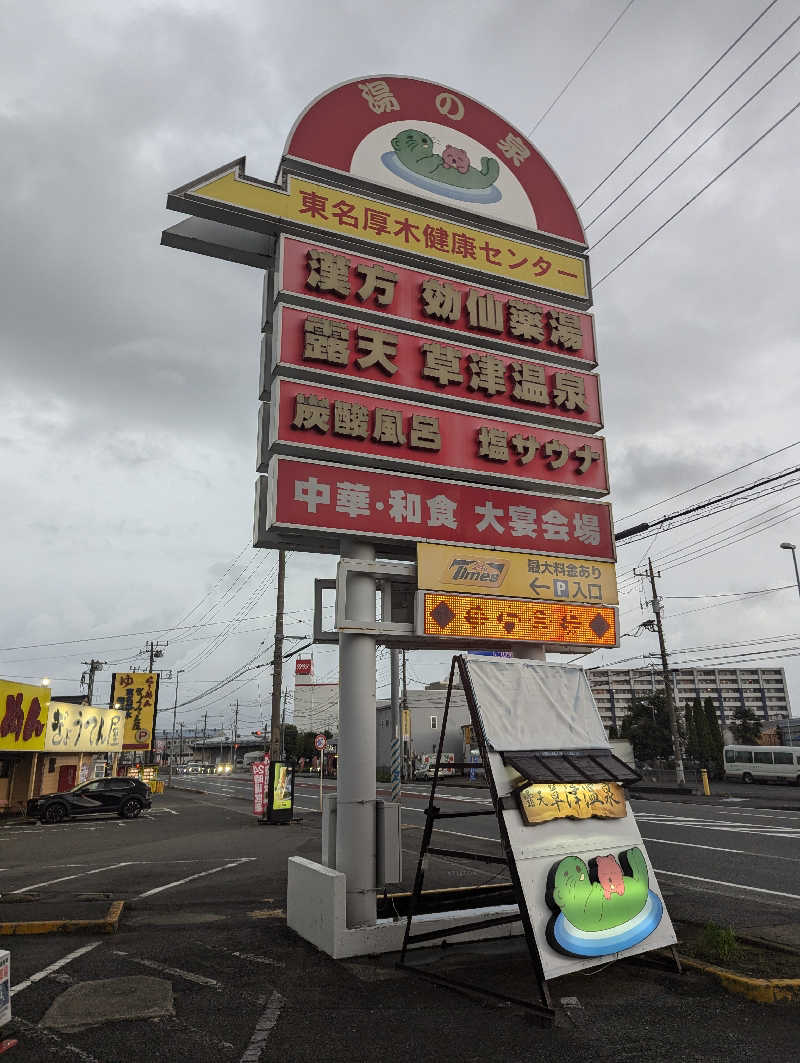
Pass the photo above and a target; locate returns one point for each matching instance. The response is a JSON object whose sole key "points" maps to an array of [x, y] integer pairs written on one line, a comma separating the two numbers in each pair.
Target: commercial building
{"points": [[763, 690]]}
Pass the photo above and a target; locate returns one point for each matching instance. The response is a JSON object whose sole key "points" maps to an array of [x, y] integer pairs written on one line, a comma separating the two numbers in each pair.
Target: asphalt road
{"points": [[205, 914]]}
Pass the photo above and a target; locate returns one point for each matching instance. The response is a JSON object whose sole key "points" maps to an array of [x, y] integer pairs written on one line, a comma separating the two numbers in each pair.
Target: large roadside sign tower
{"points": [[428, 388]]}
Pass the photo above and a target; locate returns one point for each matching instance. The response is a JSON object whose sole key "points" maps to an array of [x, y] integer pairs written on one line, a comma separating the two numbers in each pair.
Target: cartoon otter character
{"points": [[415, 151], [609, 875]]}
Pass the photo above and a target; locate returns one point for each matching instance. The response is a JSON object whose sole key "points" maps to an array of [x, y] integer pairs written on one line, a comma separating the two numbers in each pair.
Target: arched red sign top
{"points": [[431, 141]]}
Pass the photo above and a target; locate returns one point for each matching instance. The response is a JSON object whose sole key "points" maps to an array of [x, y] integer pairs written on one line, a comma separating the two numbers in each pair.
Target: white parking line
{"points": [[78, 874], [53, 967], [720, 849], [190, 878], [190, 976], [264, 1027]]}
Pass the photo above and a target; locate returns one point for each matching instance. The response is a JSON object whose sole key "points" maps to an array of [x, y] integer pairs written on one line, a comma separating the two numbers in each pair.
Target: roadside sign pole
{"points": [[321, 761], [394, 658], [355, 784]]}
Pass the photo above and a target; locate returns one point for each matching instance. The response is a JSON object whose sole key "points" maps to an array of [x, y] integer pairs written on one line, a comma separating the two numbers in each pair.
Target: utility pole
{"points": [[174, 714], [235, 734], [283, 724], [673, 719], [277, 662], [180, 751], [88, 676], [155, 649], [404, 709], [205, 723]]}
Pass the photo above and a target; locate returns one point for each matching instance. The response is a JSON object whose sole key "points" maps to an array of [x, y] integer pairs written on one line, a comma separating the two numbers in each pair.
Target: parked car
{"points": [[125, 797]]}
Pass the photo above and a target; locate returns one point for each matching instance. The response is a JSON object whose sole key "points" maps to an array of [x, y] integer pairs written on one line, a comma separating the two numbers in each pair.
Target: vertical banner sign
{"points": [[260, 770], [136, 695]]}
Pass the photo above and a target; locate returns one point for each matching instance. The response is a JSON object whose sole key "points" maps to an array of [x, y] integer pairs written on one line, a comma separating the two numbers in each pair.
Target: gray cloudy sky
{"points": [[130, 371]]}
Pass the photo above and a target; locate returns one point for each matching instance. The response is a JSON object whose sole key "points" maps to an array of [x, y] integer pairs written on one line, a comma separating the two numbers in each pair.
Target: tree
{"points": [[647, 728], [693, 749], [746, 727], [291, 741], [717, 742]]}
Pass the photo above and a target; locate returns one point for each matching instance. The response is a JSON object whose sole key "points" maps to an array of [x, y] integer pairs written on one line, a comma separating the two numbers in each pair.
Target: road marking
{"points": [[78, 874], [733, 885], [720, 849], [190, 976], [264, 1027], [190, 878], [242, 955], [53, 967]]}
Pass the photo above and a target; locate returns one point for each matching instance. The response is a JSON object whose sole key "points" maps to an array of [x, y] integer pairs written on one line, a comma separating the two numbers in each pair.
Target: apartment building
{"points": [[763, 690]]}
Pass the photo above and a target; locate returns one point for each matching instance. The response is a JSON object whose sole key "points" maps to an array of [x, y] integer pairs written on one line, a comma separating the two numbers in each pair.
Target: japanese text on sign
{"points": [[83, 728], [481, 617], [315, 495], [136, 695], [404, 361], [393, 430], [402, 292], [23, 715], [540, 802], [446, 568], [317, 205]]}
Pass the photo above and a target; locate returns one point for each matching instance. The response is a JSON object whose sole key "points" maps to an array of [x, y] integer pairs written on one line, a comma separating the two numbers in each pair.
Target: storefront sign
{"points": [[536, 576], [136, 695], [83, 729], [374, 430], [311, 504], [541, 802], [479, 617], [260, 770], [349, 354], [479, 313], [240, 200], [23, 716]]}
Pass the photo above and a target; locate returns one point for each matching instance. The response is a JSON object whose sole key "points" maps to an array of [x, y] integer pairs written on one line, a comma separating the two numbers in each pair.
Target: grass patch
{"points": [[718, 944]]}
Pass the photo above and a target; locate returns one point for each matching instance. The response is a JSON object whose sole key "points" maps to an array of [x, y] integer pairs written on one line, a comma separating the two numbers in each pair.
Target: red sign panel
{"points": [[303, 667], [409, 362], [391, 432], [260, 770], [526, 325], [328, 501]]}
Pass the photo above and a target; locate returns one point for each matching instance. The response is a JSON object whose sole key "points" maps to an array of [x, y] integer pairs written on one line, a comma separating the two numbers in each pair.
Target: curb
{"points": [[107, 925], [715, 799], [760, 990]]}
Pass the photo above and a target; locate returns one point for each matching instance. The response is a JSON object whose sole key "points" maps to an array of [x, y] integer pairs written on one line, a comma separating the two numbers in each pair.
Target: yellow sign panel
{"points": [[281, 788], [23, 716], [136, 695], [537, 576], [331, 209], [542, 801], [83, 729], [481, 618]]}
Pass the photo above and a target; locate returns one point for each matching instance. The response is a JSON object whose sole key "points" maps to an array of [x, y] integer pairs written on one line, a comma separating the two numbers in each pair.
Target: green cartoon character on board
{"points": [[414, 150], [599, 896]]}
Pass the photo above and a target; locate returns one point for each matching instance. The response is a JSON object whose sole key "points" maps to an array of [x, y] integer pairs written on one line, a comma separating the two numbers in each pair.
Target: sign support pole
{"points": [[394, 658], [355, 784]]}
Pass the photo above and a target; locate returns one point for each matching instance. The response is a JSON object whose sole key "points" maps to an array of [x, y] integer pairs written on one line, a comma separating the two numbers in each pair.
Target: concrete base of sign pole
{"points": [[316, 910]]}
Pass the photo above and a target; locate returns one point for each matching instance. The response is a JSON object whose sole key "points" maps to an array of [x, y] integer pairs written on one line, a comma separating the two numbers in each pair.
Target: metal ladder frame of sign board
{"points": [[542, 1009]]}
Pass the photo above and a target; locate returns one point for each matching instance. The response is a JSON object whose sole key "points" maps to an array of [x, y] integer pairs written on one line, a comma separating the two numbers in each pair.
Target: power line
{"points": [[694, 151], [678, 102], [602, 40], [699, 193], [714, 479], [693, 123]]}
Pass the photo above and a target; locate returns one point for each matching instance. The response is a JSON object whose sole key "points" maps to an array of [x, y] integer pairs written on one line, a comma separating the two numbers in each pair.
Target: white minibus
{"points": [[762, 763]]}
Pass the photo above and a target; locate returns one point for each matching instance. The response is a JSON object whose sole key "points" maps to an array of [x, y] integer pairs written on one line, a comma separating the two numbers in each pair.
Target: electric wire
{"points": [[678, 102], [695, 150], [696, 196], [596, 48], [693, 123]]}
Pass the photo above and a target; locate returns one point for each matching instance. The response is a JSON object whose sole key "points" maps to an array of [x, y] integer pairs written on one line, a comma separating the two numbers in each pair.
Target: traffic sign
{"points": [[320, 742]]}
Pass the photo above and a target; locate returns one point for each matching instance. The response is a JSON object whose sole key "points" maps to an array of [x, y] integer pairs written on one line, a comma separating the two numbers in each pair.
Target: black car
{"points": [[126, 797]]}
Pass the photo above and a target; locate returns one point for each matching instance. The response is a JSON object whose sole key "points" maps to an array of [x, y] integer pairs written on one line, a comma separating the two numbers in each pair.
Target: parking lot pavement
{"points": [[205, 923]]}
